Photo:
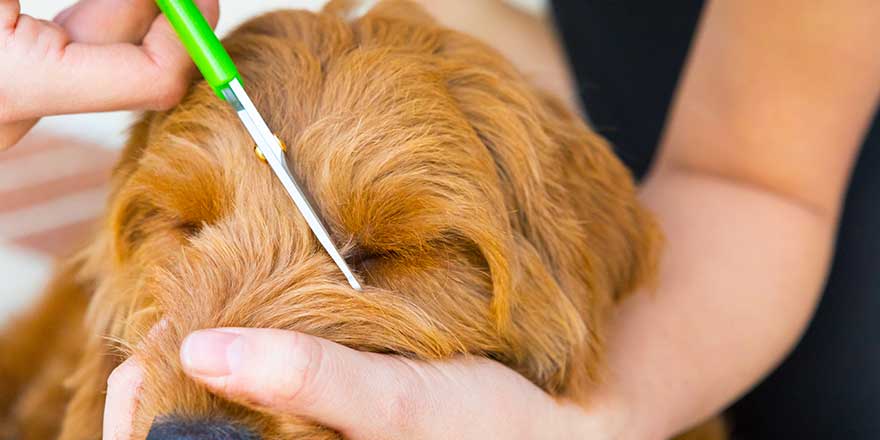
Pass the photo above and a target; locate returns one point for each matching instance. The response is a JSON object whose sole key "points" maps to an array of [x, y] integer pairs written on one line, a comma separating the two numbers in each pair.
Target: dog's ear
{"points": [[104, 249], [99, 254], [621, 236], [127, 218], [581, 239]]}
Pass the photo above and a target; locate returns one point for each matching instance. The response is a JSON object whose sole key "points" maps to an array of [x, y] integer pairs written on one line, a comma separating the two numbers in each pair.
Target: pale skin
{"points": [[100, 55], [765, 128]]}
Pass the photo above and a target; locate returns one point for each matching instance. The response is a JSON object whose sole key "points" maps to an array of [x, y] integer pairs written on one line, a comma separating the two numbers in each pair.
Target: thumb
{"points": [[105, 77], [362, 395]]}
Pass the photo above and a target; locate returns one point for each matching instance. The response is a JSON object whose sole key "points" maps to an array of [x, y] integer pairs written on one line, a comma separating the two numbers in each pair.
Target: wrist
{"points": [[611, 416], [599, 420]]}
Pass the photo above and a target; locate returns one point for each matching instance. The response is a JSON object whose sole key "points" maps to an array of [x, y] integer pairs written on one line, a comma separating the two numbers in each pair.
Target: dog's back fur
{"points": [[482, 216]]}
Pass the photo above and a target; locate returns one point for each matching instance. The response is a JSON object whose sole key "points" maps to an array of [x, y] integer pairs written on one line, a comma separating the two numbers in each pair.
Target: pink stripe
{"points": [[37, 143], [25, 197], [60, 241]]}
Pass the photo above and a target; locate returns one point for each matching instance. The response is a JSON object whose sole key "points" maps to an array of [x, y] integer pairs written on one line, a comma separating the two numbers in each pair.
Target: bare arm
{"points": [[748, 187], [754, 163]]}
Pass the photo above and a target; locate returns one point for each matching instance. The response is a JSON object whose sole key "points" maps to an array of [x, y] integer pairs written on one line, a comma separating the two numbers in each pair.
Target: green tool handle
{"points": [[201, 42]]}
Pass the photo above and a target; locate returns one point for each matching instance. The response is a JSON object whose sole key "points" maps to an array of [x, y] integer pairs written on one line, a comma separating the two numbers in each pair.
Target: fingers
{"points": [[292, 373], [9, 12], [102, 70], [163, 46], [122, 76], [108, 21], [122, 389], [160, 68]]}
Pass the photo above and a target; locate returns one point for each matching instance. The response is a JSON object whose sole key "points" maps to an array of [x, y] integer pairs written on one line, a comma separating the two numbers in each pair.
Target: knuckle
{"points": [[305, 385], [405, 405], [232, 388], [169, 93], [53, 35]]}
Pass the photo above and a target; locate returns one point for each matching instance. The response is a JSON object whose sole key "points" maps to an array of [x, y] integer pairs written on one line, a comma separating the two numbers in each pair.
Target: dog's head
{"points": [[480, 216]]}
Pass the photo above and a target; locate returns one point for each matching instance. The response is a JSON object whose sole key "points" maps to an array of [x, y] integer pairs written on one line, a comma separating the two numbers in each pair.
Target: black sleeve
{"points": [[627, 57]]}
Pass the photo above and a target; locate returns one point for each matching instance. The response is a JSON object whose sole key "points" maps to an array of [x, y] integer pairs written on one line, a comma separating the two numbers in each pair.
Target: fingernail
{"points": [[211, 353]]}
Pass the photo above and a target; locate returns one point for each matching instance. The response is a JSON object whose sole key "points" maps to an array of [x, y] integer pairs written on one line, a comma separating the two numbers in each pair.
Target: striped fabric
{"points": [[52, 189]]}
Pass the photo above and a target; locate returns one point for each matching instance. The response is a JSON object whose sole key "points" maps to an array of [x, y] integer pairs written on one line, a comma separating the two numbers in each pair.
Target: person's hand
{"points": [[366, 395], [98, 55]]}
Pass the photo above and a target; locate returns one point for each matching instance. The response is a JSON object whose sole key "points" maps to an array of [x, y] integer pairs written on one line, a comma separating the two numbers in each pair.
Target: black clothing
{"points": [[627, 57]]}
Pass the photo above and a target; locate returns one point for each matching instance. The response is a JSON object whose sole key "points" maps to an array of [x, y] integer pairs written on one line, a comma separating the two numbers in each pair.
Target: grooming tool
{"points": [[221, 74]]}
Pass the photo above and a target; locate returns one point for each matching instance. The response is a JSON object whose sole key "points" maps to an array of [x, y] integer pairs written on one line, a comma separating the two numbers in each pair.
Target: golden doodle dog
{"points": [[481, 216]]}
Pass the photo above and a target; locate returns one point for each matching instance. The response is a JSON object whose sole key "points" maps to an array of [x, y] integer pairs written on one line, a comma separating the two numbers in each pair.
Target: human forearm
{"points": [[748, 187], [739, 280]]}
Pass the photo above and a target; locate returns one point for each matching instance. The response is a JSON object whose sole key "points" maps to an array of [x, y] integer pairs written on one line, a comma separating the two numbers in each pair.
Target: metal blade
{"points": [[269, 146]]}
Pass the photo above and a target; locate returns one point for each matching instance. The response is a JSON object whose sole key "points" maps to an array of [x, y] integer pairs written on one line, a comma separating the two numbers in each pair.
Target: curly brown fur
{"points": [[482, 217]]}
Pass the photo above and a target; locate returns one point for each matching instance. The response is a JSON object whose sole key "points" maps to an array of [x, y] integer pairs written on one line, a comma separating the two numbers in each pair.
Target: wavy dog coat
{"points": [[482, 217]]}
